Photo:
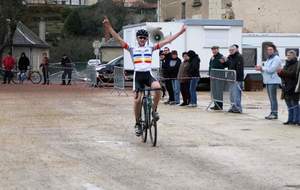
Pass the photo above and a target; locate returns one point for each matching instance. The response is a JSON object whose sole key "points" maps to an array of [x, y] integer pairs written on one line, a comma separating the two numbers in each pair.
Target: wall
{"points": [[109, 54], [268, 15], [171, 9], [259, 16]]}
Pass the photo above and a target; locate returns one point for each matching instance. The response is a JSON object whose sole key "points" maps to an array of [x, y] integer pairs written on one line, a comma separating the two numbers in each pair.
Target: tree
{"points": [[10, 14], [73, 23]]}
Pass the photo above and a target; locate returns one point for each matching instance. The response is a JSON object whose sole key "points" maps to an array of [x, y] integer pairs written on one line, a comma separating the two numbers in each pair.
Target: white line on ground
{"points": [[89, 186]]}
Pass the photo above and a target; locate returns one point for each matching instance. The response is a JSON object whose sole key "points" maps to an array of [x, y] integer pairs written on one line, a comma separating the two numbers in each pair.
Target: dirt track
{"points": [[79, 138]]}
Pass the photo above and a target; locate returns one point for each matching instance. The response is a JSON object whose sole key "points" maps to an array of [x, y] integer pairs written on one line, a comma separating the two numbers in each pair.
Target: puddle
{"points": [[293, 186], [246, 129], [115, 143]]}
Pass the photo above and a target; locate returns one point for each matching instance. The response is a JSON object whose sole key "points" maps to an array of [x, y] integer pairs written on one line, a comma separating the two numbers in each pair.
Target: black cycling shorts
{"points": [[142, 79]]}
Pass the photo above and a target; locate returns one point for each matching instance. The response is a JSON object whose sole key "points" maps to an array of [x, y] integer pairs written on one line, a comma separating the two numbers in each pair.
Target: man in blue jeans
{"points": [[235, 62], [174, 65], [193, 71]]}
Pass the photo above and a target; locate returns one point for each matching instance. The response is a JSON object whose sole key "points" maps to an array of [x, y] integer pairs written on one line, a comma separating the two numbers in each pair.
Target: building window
{"points": [[250, 57], [197, 3], [183, 8]]}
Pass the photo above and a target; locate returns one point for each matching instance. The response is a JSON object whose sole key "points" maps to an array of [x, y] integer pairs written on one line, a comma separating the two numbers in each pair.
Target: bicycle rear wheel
{"points": [[35, 77], [15, 78], [143, 120]]}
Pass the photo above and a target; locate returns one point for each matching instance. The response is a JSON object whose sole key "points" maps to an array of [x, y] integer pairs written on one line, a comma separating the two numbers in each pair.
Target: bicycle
{"points": [[19, 77], [147, 122]]}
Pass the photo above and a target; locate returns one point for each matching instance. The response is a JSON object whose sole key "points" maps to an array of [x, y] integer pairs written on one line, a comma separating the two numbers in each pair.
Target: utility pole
{"points": [[158, 11]]}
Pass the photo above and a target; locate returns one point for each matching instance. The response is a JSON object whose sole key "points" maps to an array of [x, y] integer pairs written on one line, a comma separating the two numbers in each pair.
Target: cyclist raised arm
{"points": [[158, 45], [114, 34], [141, 56], [171, 38]]}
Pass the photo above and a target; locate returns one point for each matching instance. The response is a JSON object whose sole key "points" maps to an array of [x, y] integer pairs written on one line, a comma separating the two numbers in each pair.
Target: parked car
{"points": [[106, 71]]}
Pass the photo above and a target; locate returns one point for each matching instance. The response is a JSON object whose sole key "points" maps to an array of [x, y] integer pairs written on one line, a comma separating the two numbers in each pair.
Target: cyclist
{"points": [[142, 59]]}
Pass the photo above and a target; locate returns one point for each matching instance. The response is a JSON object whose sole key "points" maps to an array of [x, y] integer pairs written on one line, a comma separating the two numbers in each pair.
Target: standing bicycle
{"points": [[142, 59], [33, 76]]}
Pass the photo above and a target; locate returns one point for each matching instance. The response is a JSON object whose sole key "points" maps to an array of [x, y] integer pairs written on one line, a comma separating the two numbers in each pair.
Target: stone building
{"points": [[62, 2], [259, 16]]}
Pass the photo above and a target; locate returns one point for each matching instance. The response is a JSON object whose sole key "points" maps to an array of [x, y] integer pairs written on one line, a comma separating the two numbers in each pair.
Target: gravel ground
{"points": [[69, 138]]}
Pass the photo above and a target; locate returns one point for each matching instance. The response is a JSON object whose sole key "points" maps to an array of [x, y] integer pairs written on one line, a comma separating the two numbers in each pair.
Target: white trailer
{"points": [[200, 36], [254, 47], [258, 41]]}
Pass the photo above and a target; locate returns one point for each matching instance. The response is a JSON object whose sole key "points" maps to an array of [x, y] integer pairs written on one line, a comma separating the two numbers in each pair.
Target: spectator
{"points": [[174, 65], [67, 66], [45, 69], [271, 78], [193, 71], [289, 78], [23, 65], [298, 84], [183, 76], [161, 72], [236, 62], [167, 75], [217, 62], [8, 65]]}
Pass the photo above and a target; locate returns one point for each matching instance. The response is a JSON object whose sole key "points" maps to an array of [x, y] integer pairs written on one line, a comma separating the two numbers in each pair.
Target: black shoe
{"points": [[289, 123], [235, 110], [155, 116], [271, 117], [138, 129], [213, 108], [216, 108], [167, 102], [172, 103], [183, 104]]}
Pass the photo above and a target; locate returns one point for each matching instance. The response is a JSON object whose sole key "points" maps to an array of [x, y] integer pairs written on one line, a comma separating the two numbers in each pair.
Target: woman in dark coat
{"points": [[183, 77], [289, 78], [23, 63]]}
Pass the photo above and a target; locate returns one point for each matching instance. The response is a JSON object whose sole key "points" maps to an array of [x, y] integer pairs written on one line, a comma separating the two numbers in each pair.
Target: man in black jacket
{"points": [[23, 65], [236, 62], [217, 61], [193, 71], [68, 68], [167, 74]]}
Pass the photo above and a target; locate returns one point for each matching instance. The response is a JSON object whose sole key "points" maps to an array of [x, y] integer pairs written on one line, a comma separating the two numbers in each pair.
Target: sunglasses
{"points": [[142, 38]]}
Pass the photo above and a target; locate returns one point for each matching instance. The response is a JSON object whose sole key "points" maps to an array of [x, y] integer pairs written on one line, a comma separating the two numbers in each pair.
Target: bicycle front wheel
{"points": [[153, 133], [143, 120], [35, 77]]}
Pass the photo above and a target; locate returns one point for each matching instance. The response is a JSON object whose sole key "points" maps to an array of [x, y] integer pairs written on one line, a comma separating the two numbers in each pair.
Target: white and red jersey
{"points": [[141, 57]]}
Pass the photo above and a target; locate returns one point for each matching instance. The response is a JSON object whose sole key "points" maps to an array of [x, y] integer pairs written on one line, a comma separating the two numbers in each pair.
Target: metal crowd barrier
{"points": [[221, 82], [119, 81]]}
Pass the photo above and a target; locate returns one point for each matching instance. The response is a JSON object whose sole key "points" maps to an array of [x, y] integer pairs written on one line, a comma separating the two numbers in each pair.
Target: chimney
{"points": [[42, 29]]}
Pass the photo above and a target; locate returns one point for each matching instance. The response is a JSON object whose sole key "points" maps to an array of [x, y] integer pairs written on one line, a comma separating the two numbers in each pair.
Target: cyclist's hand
{"points": [[106, 22]]}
